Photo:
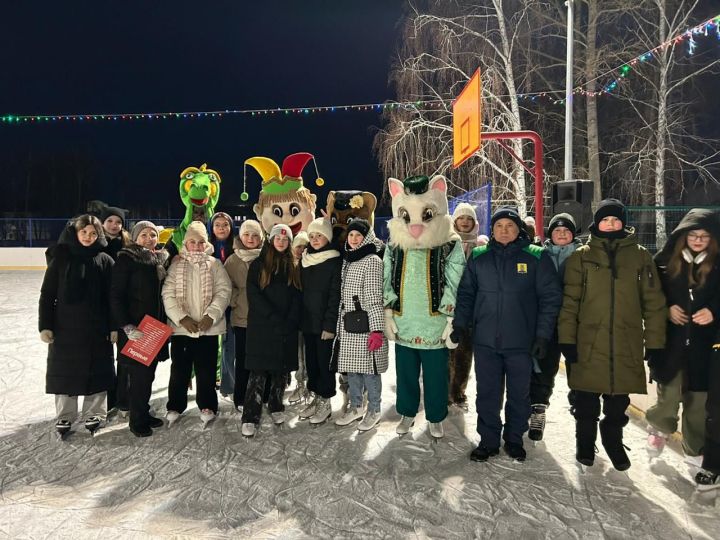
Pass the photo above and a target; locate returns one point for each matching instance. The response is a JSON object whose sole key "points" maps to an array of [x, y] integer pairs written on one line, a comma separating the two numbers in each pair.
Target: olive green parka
{"points": [[613, 304]]}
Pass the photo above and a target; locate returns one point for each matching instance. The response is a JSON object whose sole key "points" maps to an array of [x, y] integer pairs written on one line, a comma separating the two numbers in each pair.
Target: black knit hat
{"points": [[609, 207], [562, 220], [112, 211], [360, 225], [507, 212]]}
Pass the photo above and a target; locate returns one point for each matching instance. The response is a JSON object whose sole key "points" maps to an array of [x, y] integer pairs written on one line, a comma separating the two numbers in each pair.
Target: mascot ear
{"points": [[395, 187], [439, 182], [330, 202], [258, 211], [370, 201]]}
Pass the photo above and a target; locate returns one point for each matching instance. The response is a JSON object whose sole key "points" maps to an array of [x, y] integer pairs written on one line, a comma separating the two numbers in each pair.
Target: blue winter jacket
{"points": [[508, 296]]}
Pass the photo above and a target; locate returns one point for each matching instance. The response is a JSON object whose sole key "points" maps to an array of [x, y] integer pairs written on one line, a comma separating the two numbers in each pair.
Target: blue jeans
{"points": [[361, 381]]}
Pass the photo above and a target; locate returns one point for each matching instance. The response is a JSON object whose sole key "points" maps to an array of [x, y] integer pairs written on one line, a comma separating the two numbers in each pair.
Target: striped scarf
{"points": [[203, 262]]}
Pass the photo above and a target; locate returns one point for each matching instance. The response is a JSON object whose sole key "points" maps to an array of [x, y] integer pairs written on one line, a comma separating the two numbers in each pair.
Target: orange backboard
{"points": [[467, 116]]}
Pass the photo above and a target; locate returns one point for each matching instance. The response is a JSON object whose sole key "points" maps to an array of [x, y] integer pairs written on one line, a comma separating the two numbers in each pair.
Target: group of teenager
{"points": [[263, 306]]}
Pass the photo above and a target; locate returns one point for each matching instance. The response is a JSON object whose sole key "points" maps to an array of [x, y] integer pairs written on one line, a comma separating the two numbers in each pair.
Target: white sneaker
{"points": [[278, 418], [349, 416], [369, 421], [406, 422], [206, 415], [323, 410], [655, 441], [298, 394], [172, 417], [310, 410], [248, 429], [436, 430]]}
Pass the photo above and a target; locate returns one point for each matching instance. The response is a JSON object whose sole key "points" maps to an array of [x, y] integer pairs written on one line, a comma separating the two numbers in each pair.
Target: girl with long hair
{"points": [[274, 304]]}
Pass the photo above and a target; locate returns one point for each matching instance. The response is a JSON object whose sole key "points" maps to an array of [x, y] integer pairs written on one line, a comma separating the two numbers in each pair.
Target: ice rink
{"points": [[303, 482]]}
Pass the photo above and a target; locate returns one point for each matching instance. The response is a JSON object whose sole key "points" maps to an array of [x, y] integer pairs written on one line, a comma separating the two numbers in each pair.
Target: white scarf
{"points": [[311, 259], [247, 255]]}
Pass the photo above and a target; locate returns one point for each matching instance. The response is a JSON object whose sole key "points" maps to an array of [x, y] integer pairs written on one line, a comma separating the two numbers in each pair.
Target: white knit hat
{"points": [[321, 226], [300, 239], [196, 230], [250, 225], [464, 209], [282, 230]]}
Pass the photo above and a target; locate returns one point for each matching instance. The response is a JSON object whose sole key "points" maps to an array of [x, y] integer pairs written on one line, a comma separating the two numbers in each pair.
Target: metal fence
{"points": [[643, 218], [37, 232]]}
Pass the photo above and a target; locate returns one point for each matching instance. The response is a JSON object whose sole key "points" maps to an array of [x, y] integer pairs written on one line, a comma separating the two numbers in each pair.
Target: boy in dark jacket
{"points": [[509, 296]]}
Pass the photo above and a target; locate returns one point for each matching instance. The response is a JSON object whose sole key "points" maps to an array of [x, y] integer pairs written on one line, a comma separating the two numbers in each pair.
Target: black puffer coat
{"points": [[321, 290], [273, 322], [74, 304], [136, 291], [689, 346]]}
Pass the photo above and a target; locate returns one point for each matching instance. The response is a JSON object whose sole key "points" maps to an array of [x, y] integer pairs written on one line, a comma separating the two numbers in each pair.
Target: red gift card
{"points": [[145, 349]]}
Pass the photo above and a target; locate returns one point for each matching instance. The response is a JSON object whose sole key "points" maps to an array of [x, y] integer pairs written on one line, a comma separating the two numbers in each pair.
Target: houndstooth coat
{"points": [[364, 278]]}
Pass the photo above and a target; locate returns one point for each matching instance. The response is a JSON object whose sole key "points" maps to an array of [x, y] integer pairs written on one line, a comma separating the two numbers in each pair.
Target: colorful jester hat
{"points": [[283, 198], [199, 191]]}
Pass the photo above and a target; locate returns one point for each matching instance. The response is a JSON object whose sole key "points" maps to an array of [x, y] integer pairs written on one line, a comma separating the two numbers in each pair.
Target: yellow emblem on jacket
{"points": [[522, 268]]}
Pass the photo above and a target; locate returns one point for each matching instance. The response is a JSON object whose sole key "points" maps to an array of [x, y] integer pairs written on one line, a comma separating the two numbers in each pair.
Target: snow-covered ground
{"points": [[323, 482]]}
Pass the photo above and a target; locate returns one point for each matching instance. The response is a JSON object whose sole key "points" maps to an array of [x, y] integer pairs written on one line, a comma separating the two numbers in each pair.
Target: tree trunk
{"points": [[661, 135], [593, 144]]}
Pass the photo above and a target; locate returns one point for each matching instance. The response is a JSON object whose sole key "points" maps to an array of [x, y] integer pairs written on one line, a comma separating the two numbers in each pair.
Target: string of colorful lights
{"points": [[623, 70]]}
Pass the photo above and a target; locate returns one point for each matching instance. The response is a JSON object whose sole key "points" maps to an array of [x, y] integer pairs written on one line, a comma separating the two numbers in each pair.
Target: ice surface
{"points": [[301, 482]]}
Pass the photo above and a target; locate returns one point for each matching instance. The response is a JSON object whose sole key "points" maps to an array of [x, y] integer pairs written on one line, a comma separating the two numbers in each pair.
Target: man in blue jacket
{"points": [[509, 298]]}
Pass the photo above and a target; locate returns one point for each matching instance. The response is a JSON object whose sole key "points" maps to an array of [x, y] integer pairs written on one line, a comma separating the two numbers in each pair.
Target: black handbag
{"points": [[356, 322]]}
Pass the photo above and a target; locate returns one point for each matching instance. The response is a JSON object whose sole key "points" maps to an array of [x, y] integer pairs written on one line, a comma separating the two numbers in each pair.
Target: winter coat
{"points": [[136, 291], [74, 304], [273, 322], [362, 276], [222, 289], [237, 266], [320, 271], [613, 304], [689, 346], [508, 296], [114, 245]]}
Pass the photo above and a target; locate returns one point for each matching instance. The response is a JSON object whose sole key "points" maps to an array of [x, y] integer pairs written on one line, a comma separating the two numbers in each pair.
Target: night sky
{"points": [[139, 56]]}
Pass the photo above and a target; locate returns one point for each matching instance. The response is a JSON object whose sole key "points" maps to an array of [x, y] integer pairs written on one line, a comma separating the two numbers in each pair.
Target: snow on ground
{"points": [[301, 482]]}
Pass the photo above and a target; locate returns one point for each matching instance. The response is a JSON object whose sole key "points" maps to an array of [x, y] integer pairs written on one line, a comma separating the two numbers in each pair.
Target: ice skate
{"points": [[694, 462], [62, 427], [350, 415], [298, 394], [206, 416], [369, 421], [406, 422], [537, 422], [172, 417], [655, 442], [248, 429], [323, 410], [707, 481], [92, 424], [346, 401], [436, 430], [310, 409], [278, 418]]}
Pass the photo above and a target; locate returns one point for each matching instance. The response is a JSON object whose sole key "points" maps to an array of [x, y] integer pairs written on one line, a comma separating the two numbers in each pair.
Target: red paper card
{"points": [[145, 349]]}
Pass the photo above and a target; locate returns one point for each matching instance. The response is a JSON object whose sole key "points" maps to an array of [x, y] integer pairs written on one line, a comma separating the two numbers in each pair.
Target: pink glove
{"points": [[375, 341]]}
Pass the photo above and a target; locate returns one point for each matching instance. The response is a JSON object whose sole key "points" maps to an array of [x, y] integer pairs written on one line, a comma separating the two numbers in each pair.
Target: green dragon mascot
{"points": [[199, 191]]}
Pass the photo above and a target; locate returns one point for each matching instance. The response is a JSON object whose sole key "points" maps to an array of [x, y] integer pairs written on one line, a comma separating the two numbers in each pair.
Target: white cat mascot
{"points": [[424, 262]]}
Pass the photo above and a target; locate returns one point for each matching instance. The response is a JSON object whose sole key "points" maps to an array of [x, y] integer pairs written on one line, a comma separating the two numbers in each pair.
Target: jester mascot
{"points": [[199, 191], [424, 262], [283, 198]]}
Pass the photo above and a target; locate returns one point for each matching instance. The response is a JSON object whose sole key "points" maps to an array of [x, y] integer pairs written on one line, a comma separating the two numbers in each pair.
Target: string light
{"points": [[623, 71]]}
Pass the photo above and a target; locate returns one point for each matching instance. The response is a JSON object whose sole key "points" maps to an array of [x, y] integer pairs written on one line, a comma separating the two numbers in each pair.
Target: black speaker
{"points": [[574, 197]]}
